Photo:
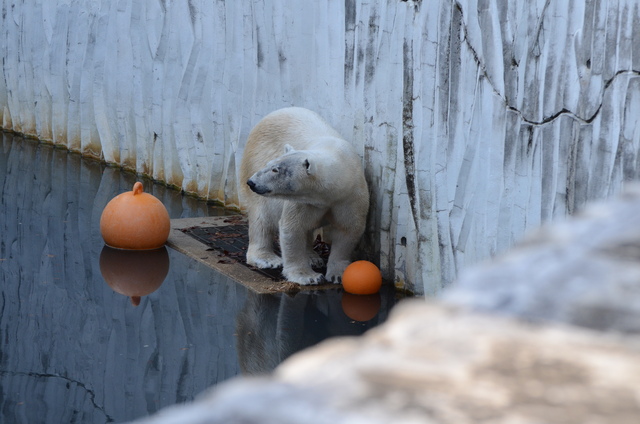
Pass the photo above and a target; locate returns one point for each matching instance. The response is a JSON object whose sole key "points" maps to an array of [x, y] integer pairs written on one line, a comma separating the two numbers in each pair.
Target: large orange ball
{"points": [[135, 220], [362, 277]]}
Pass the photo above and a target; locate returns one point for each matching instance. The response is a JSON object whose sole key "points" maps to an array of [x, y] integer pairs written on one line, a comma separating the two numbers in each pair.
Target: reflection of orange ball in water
{"points": [[135, 220], [362, 277], [134, 273], [361, 307]]}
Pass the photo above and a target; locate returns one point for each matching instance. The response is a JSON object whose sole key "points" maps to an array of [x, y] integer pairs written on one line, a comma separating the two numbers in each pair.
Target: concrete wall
{"points": [[477, 120]]}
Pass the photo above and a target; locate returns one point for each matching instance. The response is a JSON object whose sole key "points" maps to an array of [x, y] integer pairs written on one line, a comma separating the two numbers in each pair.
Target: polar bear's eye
{"points": [[275, 169]]}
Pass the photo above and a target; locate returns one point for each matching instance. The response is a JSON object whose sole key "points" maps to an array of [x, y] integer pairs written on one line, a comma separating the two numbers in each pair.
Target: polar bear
{"points": [[301, 175]]}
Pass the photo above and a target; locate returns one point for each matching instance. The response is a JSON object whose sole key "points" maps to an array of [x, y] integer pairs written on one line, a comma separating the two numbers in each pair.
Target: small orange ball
{"points": [[362, 277], [135, 220]]}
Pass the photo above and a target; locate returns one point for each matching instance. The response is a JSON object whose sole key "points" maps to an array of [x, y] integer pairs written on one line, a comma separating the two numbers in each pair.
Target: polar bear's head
{"points": [[287, 176]]}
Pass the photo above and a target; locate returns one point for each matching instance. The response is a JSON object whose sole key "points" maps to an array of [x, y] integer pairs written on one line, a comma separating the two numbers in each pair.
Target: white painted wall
{"points": [[477, 120]]}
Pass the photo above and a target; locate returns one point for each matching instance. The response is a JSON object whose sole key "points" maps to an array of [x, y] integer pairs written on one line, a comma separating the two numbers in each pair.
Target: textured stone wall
{"points": [[477, 120]]}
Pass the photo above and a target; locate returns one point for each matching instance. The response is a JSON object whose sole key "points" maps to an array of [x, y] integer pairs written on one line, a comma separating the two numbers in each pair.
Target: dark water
{"points": [[74, 350]]}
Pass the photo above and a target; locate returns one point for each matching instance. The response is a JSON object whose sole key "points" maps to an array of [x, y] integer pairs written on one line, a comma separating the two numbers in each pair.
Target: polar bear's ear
{"points": [[288, 148], [310, 167]]}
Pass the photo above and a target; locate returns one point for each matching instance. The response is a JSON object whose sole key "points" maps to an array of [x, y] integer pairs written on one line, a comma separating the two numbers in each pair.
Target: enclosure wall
{"points": [[476, 119]]}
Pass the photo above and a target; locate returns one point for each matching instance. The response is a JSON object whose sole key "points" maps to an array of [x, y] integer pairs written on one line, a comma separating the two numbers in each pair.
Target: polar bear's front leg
{"points": [[340, 256], [295, 224], [260, 252], [346, 229]]}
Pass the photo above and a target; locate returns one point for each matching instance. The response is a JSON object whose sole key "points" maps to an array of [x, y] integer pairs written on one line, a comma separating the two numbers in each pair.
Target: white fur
{"points": [[308, 176]]}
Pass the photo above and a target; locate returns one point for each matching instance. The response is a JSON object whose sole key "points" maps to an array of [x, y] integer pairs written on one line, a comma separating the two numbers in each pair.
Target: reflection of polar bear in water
{"points": [[302, 176], [272, 327]]}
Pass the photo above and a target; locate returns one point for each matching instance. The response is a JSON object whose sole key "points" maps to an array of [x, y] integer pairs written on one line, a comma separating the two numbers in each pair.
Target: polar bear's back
{"points": [[299, 127], [295, 124]]}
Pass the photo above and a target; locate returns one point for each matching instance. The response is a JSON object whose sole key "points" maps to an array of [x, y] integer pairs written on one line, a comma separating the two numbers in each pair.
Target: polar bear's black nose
{"points": [[257, 189]]}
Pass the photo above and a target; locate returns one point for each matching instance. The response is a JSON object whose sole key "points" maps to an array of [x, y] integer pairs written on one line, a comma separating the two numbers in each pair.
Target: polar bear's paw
{"points": [[335, 270], [264, 260], [303, 277]]}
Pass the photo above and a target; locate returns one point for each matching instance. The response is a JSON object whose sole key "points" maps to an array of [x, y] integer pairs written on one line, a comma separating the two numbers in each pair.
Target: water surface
{"points": [[73, 349]]}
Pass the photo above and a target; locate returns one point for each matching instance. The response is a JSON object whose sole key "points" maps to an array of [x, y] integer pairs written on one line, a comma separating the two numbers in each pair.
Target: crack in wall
{"points": [[565, 111], [90, 392], [407, 129], [554, 116]]}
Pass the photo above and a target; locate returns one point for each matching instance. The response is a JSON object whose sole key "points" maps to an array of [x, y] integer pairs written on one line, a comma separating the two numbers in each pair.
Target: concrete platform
{"points": [[228, 260]]}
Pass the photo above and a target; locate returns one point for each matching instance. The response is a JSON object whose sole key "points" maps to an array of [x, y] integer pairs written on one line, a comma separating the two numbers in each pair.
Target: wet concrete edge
{"points": [[216, 260]]}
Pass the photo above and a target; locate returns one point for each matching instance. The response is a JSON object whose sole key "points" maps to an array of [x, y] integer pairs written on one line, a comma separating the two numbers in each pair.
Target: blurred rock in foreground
{"points": [[584, 271]]}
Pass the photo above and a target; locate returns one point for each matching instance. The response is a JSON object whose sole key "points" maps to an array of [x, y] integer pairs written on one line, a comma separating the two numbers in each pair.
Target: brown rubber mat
{"points": [[232, 241]]}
